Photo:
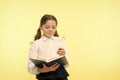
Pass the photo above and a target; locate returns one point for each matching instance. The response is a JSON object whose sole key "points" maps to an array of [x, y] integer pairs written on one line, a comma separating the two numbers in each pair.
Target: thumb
{"points": [[44, 65]]}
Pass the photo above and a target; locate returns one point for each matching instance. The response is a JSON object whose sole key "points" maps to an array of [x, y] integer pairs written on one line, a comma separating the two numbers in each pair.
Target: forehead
{"points": [[51, 22]]}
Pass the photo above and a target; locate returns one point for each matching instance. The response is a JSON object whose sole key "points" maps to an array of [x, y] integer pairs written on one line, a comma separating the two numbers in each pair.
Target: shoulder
{"points": [[59, 39], [35, 42]]}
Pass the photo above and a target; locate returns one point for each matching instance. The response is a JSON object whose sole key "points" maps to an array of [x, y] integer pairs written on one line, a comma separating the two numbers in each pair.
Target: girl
{"points": [[46, 44]]}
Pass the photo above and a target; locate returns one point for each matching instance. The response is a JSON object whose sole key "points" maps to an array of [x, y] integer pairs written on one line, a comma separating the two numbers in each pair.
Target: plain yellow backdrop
{"points": [[91, 29]]}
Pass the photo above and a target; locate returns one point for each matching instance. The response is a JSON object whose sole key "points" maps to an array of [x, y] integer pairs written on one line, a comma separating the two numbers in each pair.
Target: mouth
{"points": [[50, 33]]}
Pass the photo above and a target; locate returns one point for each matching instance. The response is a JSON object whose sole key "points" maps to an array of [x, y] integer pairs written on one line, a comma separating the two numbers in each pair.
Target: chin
{"points": [[49, 36]]}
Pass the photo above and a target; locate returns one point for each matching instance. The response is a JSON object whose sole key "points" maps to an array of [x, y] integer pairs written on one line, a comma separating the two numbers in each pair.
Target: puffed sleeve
{"points": [[32, 54]]}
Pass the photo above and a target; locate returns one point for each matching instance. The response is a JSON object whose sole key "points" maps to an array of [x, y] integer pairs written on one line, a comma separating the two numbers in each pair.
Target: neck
{"points": [[47, 36]]}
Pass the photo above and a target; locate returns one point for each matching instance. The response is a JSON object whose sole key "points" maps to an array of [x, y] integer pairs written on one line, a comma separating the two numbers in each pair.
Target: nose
{"points": [[50, 29]]}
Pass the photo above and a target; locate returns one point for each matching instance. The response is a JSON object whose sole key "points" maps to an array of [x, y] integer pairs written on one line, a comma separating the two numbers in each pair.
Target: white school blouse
{"points": [[45, 47]]}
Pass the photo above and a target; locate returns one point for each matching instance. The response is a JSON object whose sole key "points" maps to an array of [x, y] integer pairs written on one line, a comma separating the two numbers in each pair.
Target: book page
{"points": [[49, 58]]}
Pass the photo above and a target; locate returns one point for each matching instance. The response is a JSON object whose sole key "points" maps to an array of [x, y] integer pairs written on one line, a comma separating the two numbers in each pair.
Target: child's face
{"points": [[49, 28]]}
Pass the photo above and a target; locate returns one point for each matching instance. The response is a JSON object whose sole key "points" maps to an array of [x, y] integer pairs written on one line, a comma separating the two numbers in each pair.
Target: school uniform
{"points": [[44, 48]]}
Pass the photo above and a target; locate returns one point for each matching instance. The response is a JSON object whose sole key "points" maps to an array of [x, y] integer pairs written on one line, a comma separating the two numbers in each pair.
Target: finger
{"points": [[60, 49], [44, 65], [61, 53], [54, 65], [54, 68]]}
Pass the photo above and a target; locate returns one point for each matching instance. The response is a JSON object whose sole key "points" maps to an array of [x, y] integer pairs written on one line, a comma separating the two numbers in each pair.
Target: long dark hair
{"points": [[43, 21]]}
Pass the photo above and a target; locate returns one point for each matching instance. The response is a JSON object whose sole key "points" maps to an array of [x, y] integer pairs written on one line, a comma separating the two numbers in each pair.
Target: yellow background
{"points": [[91, 29]]}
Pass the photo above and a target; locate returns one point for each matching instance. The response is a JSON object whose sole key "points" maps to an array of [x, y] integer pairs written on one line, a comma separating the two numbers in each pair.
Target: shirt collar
{"points": [[45, 38]]}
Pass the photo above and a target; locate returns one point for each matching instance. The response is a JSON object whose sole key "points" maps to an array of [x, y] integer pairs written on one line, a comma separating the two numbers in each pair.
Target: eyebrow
{"points": [[52, 25]]}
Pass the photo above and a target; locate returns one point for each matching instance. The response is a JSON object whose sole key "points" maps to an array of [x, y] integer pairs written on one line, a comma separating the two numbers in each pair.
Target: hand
{"points": [[61, 51], [48, 69]]}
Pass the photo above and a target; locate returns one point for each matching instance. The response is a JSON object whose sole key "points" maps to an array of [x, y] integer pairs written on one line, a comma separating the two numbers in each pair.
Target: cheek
{"points": [[44, 31], [54, 30]]}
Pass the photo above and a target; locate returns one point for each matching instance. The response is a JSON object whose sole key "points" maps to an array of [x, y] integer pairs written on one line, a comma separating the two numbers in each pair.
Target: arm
{"points": [[32, 53], [63, 51], [48, 69], [36, 70]]}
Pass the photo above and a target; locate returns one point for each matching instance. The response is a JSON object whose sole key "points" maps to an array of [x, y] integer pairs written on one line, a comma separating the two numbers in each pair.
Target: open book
{"points": [[60, 60]]}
